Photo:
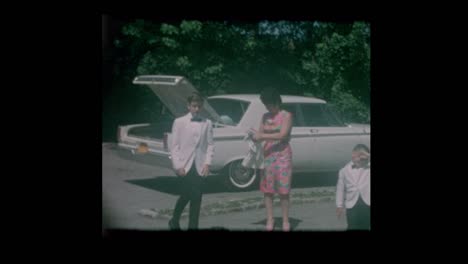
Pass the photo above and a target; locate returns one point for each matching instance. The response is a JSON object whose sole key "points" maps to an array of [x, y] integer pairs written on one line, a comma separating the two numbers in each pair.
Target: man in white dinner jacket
{"points": [[353, 189], [192, 150]]}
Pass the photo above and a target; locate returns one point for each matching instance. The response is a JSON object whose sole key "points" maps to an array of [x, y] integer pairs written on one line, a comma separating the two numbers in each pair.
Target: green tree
{"points": [[327, 60], [339, 68]]}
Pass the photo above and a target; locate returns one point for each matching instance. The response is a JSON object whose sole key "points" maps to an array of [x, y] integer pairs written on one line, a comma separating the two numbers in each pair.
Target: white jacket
{"points": [[353, 183], [191, 141]]}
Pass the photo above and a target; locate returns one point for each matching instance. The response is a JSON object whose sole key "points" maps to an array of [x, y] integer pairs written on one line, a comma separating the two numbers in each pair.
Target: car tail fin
{"points": [[166, 148], [119, 130]]}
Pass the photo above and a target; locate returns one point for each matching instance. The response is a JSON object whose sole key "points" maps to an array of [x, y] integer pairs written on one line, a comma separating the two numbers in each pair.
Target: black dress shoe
{"points": [[173, 225]]}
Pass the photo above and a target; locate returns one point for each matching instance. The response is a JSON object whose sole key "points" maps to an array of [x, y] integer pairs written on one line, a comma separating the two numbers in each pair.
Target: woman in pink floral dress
{"points": [[275, 130]]}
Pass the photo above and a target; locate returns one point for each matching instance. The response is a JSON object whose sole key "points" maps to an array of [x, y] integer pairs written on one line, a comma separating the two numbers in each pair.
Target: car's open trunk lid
{"points": [[173, 92]]}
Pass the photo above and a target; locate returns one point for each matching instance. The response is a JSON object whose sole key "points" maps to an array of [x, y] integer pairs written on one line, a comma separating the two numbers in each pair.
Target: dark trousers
{"points": [[358, 217], [190, 191]]}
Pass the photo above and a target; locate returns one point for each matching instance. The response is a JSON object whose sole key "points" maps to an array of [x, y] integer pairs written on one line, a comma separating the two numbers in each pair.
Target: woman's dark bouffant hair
{"points": [[270, 96]]}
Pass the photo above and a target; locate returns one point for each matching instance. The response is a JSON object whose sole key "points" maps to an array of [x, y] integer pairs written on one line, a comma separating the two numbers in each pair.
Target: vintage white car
{"points": [[320, 141]]}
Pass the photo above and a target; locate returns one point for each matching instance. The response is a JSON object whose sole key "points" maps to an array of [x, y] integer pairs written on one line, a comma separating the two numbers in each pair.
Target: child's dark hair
{"points": [[195, 97], [270, 96], [361, 147]]}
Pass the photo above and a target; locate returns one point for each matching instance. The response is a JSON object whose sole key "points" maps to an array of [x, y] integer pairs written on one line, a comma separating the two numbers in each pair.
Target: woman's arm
{"points": [[259, 131], [260, 128], [284, 132]]}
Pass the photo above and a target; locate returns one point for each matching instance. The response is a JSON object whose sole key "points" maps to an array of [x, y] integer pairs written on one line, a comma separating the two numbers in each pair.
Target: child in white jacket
{"points": [[353, 190]]}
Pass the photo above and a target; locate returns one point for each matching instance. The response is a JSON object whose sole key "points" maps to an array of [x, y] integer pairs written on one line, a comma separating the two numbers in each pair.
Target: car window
{"points": [[332, 114], [230, 111], [319, 115], [292, 108]]}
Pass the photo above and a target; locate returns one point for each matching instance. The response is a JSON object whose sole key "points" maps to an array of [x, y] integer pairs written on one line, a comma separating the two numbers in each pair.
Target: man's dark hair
{"points": [[361, 147], [195, 97], [270, 96]]}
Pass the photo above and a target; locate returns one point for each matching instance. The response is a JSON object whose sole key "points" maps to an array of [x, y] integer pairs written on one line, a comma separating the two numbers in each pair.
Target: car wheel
{"points": [[239, 177]]}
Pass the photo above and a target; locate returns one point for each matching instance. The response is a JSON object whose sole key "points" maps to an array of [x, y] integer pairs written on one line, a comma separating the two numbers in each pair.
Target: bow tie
{"points": [[196, 119]]}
